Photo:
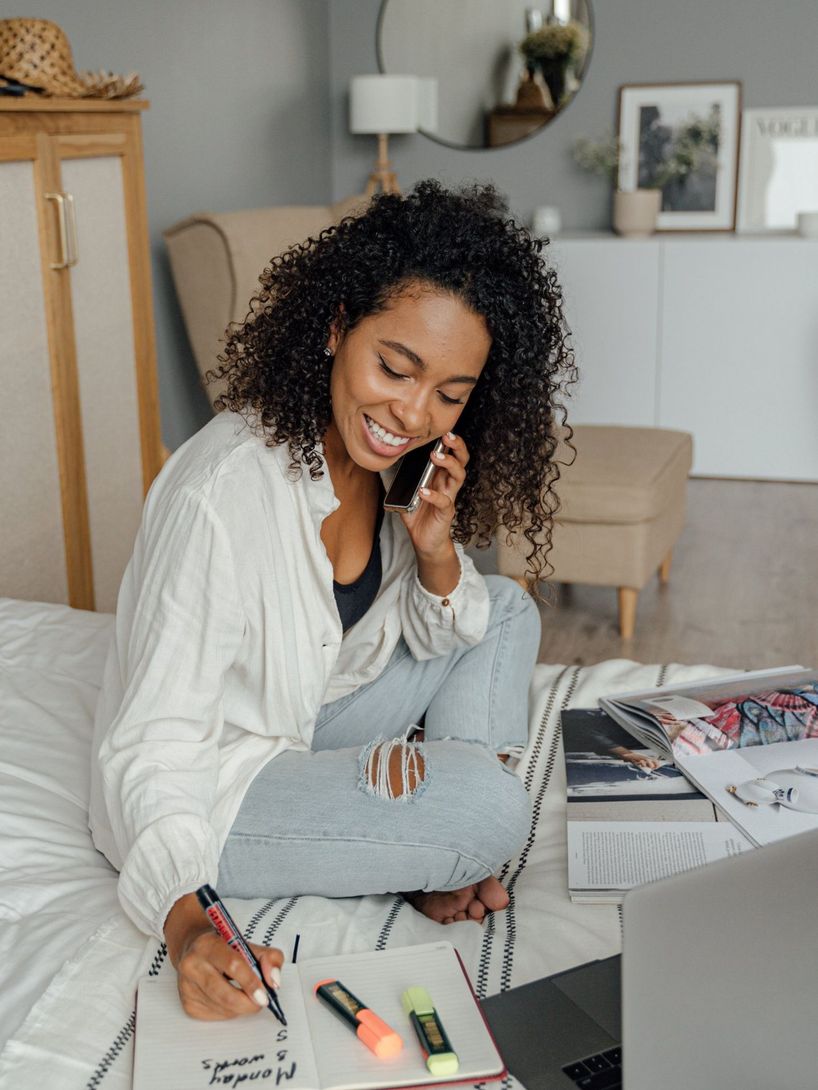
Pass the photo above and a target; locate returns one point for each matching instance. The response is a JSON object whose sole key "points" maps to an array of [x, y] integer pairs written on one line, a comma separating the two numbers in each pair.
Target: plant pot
{"points": [[635, 212]]}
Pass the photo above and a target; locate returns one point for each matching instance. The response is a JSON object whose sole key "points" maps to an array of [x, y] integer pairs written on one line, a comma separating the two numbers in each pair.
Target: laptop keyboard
{"points": [[600, 1072]]}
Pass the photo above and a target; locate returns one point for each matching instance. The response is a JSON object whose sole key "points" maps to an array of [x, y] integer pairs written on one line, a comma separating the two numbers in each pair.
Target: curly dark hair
{"points": [[462, 242]]}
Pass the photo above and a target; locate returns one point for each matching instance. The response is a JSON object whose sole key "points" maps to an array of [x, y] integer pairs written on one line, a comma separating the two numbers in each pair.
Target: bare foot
{"points": [[470, 903]]}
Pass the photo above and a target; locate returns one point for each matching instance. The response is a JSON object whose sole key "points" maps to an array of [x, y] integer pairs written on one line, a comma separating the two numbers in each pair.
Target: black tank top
{"points": [[354, 599]]}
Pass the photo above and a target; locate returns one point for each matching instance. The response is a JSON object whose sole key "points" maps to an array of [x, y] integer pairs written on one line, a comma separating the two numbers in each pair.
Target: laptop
{"points": [[717, 987]]}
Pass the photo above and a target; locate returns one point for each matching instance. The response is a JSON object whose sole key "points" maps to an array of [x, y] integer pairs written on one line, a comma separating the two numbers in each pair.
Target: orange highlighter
{"points": [[370, 1029]]}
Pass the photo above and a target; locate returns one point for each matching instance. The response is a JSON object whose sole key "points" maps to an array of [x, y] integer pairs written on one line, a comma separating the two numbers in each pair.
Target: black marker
{"points": [[223, 923]]}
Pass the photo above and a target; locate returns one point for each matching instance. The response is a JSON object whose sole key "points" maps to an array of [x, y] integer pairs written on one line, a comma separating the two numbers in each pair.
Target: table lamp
{"points": [[390, 104]]}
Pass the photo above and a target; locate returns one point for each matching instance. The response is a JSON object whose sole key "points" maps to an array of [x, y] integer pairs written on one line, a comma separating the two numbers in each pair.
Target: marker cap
{"points": [[378, 1036], [446, 1063], [417, 1000]]}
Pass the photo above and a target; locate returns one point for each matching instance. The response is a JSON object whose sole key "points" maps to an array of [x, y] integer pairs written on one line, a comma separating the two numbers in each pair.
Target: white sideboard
{"points": [[715, 335]]}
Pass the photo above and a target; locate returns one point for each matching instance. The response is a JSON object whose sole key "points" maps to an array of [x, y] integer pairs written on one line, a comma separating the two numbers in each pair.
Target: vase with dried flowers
{"points": [[634, 213], [692, 147]]}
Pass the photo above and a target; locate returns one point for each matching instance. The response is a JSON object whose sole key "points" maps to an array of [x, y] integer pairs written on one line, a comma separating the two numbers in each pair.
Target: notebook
{"points": [[316, 1050]]}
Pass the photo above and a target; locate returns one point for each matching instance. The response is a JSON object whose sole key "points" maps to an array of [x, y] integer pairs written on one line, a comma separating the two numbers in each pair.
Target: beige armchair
{"points": [[623, 504], [216, 259]]}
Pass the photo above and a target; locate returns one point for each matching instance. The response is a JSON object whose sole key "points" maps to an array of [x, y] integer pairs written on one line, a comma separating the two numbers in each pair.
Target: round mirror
{"points": [[503, 68]]}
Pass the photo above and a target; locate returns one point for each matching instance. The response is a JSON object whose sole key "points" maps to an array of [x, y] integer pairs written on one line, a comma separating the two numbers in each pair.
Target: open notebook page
{"points": [[173, 1050], [379, 980]]}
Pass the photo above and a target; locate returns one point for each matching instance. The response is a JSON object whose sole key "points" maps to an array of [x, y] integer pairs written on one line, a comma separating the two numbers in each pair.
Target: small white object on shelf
{"points": [[547, 221]]}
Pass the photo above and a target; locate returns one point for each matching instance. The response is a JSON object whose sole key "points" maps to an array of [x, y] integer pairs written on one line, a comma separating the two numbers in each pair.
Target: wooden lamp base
{"points": [[382, 177]]}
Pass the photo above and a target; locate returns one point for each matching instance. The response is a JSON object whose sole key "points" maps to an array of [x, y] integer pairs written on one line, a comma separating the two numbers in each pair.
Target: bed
{"points": [[71, 958]]}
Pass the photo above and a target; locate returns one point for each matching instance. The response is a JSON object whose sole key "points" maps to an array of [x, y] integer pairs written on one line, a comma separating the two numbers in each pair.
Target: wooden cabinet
{"points": [[715, 336], [79, 425]]}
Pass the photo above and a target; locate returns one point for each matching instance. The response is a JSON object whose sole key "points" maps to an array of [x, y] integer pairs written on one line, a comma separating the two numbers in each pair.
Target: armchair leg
{"points": [[628, 597], [664, 568]]}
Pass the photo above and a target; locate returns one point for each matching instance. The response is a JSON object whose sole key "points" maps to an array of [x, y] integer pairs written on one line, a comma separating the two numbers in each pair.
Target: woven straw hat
{"points": [[36, 52]]}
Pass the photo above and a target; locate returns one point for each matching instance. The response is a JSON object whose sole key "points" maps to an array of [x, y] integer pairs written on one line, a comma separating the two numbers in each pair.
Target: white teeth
{"points": [[384, 435]]}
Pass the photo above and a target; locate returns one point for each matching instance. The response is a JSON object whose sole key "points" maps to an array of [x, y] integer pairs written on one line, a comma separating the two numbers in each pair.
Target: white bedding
{"points": [[71, 958]]}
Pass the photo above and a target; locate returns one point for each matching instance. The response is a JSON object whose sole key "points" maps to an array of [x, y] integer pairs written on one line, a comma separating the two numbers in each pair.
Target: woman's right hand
{"points": [[203, 962]]}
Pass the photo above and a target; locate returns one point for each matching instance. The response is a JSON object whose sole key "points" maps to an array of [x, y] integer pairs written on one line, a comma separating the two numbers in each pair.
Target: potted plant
{"points": [[634, 212], [554, 49], [692, 147]]}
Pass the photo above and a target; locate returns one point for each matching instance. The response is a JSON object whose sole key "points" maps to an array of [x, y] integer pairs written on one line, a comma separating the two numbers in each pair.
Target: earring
{"points": [[328, 352]]}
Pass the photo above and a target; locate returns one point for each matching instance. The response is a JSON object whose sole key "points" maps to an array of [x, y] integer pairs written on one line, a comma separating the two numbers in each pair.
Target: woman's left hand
{"points": [[430, 526]]}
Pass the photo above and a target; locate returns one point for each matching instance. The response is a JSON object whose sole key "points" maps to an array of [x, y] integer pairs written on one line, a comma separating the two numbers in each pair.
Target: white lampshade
{"points": [[383, 104], [427, 103]]}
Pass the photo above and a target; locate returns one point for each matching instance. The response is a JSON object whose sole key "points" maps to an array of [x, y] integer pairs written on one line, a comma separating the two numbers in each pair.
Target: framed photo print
{"points": [[683, 138], [779, 168]]}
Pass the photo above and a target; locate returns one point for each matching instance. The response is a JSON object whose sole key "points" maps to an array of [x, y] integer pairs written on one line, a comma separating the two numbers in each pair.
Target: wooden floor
{"points": [[743, 589]]}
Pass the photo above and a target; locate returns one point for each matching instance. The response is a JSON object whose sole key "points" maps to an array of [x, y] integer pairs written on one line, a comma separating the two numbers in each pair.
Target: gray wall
{"points": [[249, 108], [769, 47], [238, 119]]}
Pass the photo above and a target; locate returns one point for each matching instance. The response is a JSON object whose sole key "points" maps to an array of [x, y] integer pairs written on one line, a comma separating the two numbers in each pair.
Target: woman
{"points": [[278, 638]]}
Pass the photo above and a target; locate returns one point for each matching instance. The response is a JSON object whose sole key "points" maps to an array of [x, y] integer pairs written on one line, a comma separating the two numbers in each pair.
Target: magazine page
{"points": [[639, 723], [606, 764], [757, 709], [619, 855], [787, 767]]}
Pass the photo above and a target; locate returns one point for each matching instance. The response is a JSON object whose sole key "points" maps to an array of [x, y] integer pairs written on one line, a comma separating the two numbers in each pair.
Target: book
{"points": [[316, 1050], [607, 858], [729, 731]]}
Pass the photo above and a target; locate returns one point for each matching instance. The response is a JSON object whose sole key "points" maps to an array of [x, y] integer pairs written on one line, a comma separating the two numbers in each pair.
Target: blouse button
{"points": [[445, 602]]}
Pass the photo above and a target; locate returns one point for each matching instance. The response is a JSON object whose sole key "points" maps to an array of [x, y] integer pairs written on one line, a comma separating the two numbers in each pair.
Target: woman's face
{"points": [[401, 377]]}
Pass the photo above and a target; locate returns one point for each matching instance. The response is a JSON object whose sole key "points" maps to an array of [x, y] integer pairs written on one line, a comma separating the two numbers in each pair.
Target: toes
{"points": [[455, 906], [477, 910], [492, 894], [465, 897]]}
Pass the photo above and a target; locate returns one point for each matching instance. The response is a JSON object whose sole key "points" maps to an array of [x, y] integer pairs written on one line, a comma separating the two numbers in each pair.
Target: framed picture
{"points": [[683, 138], [779, 168]]}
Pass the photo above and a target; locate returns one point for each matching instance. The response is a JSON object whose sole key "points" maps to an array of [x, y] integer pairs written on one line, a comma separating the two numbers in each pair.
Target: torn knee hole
{"points": [[393, 770]]}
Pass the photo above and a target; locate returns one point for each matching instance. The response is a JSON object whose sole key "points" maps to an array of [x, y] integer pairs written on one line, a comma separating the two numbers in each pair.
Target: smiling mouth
{"points": [[386, 437]]}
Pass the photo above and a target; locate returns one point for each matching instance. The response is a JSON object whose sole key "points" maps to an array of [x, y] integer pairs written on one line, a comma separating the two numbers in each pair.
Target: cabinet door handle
{"points": [[68, 230], [71, 233]]}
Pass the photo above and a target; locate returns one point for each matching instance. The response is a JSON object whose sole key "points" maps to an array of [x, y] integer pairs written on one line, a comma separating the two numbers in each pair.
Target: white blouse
{"points": [[226, 643]]}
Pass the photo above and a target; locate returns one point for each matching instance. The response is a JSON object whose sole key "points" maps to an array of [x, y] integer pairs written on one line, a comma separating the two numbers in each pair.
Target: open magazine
{"points": [[736, 731], [632, 816]]}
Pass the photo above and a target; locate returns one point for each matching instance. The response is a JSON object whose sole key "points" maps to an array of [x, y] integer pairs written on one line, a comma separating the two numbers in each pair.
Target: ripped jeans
{"points": [[368, 810]]}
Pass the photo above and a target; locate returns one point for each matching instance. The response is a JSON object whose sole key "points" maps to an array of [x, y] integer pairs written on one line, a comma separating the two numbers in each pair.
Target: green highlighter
{"points": [[441, 1059]]}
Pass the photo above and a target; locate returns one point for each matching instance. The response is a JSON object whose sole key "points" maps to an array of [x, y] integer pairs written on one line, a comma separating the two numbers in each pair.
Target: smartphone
{"points": [[414, 472]]}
